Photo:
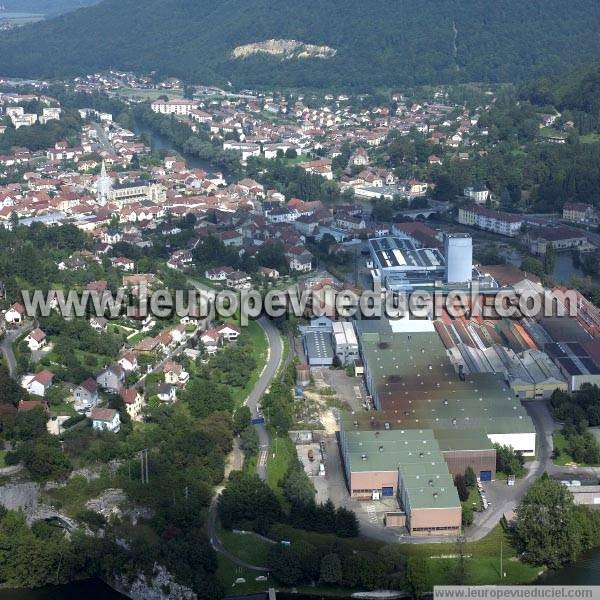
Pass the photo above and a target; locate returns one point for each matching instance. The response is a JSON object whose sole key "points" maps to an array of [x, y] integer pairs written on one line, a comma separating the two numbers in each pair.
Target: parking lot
{"points": [[350, 390]]}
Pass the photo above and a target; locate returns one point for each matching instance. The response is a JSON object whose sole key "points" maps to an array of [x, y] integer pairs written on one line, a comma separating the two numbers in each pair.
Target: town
{"points": [[431, 427]]}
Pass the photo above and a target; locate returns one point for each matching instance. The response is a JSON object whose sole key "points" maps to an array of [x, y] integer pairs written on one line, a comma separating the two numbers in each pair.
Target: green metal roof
{"points": [[415, 381]]}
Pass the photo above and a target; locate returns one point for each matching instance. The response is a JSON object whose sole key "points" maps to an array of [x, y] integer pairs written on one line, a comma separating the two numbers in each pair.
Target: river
{"points": [[161, 142], [586, 571]]}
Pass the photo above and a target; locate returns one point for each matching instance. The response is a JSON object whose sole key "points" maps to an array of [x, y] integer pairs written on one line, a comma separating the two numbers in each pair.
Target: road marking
{"points": [[262, 459], [372, 513]]}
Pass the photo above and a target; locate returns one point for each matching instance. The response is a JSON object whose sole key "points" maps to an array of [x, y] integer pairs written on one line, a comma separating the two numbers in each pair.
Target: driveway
{"points": [[7, 349]]}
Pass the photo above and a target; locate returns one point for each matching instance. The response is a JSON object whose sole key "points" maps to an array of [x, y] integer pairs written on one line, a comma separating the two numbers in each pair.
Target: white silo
{"points": [[458, 249]]}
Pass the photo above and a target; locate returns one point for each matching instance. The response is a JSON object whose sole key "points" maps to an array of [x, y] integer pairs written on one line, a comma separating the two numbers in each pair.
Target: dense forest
{"points": [[377, 44], [576, 94]]}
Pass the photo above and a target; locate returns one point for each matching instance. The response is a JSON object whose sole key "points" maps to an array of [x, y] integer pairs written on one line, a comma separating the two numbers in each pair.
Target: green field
{"points": [[249, 548], [228, 572], [483, 562], [257, 336], [281, 455]]}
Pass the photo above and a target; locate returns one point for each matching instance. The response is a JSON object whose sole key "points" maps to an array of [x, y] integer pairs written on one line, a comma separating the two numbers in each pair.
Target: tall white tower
{"points": [[103, 185], [458, 248]]}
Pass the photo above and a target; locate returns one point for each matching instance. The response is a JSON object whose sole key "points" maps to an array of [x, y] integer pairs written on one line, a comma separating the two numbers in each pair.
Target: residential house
{"points": [[218, 273], [40, 383], [15, 314], [86, 395], [269, 273], [211, 340], [134, 402], [239, 280], [128, 362], [99, 324], [106, 419], [36, 339], [299, 259], [166, 392], [174, 374], [229, 332], [502, 223], [112, 378]]}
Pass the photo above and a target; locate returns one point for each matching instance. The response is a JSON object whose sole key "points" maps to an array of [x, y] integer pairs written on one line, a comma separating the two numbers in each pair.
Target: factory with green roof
{"points": [[431, 421]]}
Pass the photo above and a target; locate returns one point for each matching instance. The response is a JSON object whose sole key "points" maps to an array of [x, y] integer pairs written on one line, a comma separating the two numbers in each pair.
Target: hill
{"points": [[45, 7], [576, 94], [373, 43]]}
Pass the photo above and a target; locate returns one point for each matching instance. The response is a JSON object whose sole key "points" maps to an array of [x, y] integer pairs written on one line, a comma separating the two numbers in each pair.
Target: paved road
{"points": [[6, 346], [275, 354], [253, 402], [103, 140]]}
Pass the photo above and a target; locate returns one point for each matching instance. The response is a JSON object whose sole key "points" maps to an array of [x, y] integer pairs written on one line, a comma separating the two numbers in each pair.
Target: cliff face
{"points": [[161, 586], [284, 48]]}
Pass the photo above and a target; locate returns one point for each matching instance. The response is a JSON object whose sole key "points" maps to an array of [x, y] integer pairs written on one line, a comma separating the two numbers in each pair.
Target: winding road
{"points": [[274, 358], [7, 343]]}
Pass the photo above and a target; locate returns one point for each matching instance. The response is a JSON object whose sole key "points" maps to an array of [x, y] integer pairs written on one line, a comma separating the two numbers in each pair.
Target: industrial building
{"points": [[578, 362], [318, 348], [433, 421], [325, 339], [408, 373], [409, 465], [344, 341], [400, 265]]}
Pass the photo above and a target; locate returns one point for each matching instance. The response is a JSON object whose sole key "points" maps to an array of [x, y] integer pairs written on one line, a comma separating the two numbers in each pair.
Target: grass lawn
{"points": [[483, 562], [281, 455], [590, 138], [148, 94], [2, 455], [228, 572], [257, 336], [137, 337], [247, 547], [564, 458], [64, 408]]}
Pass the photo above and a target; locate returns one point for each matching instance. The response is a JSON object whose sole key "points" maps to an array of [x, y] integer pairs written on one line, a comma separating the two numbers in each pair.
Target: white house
{"points": [[229, 332], [36, 340], [106, 419], [39, 383], [15, 314]]}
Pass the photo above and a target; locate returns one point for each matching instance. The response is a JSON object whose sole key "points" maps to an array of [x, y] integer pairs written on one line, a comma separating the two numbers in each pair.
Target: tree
{"points": [[461, 487], [331, 568], [297, 486], [31, 424], [507, 461], [283, 562], [346, 523], [416, 577], [547, 529], [467, 516], [470, 477], [241, 419], [247, 498], [249, 440], [549, 259], [532, 265]]}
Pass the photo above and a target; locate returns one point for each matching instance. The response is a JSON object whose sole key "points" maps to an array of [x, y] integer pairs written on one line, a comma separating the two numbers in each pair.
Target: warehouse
{"points": [[318, 348], [406, 464], [460, 448], [578, 362], [409, 375]]}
